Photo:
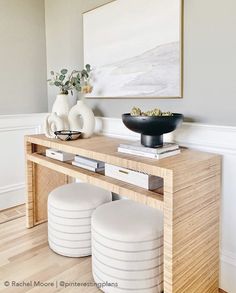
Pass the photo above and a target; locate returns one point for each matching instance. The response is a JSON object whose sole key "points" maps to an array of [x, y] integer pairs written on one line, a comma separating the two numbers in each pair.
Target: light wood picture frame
{"points": [[135, 49]]}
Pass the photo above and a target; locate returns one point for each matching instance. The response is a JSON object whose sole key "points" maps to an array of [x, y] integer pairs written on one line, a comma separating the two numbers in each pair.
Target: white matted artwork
{"points": [[135, 48]]}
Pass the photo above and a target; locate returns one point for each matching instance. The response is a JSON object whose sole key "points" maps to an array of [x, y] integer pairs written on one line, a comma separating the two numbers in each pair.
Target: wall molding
{"points": [[5, 129], [12, 130], [21, 122], [228, 271], [228, 257], [214, 138], [12, 187]]}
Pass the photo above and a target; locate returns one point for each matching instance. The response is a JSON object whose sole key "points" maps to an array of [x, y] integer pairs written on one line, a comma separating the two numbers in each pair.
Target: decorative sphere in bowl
{"points": [[67, 134], [152, 128]]}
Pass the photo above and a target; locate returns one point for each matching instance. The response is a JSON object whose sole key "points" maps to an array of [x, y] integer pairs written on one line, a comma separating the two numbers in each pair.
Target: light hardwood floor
{"points": [[12, 213], [25, 256]]}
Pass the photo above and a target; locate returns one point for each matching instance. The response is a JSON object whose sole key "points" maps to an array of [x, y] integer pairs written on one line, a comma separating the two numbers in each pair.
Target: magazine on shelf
{"points": [[90, 168], [137, 146], [149, 155], [89, 162]]}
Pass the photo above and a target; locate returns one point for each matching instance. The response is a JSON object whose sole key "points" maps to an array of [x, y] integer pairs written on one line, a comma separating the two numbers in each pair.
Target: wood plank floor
{"points": [[12, 213], [26, 257]]}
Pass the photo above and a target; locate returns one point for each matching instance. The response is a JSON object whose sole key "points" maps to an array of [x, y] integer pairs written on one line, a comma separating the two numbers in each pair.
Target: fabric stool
{"points": [[69, 217], [127, 247]]}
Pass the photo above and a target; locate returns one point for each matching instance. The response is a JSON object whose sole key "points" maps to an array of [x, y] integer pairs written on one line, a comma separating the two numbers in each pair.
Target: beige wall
{"points": [[64, 35], [209, 58], [22, 57]]}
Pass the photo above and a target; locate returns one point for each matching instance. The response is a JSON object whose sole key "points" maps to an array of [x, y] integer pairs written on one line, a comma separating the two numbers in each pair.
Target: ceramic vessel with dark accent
{"points": [[67, 134]]}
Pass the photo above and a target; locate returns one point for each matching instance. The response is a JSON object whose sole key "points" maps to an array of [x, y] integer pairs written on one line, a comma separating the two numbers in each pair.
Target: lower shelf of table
{"points": [[148, 197]]}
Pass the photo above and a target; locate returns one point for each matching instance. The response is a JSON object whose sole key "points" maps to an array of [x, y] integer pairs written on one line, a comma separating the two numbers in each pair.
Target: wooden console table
{"points": [[190, 200]]}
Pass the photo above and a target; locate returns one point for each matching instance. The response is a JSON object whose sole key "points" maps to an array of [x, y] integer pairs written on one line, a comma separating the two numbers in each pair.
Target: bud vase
{"points": [[81, 118], [61, 108]]}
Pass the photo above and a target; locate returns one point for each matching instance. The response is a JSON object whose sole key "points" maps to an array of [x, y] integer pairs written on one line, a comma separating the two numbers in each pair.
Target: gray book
{"points": [[137, 146], [74, 163], [89, 162]]}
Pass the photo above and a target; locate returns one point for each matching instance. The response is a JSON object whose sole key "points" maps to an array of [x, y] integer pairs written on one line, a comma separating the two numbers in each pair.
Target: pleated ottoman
{"points": [[69, 217], [127, 248]]}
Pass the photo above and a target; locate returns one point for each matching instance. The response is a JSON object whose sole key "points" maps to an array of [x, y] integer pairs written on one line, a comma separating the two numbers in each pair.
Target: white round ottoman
{"points": [[127, 247], [69, 217]]}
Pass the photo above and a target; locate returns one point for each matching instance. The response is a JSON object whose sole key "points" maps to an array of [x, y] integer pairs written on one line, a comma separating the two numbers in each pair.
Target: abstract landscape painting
{"points": [[134, 48]]}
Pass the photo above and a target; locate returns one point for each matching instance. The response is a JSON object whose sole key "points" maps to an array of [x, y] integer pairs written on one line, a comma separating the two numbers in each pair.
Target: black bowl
{"points": [[152, 128]]}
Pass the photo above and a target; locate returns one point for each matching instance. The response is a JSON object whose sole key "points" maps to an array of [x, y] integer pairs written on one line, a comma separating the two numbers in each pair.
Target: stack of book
{"points": [[135, 148], [88, 164]]}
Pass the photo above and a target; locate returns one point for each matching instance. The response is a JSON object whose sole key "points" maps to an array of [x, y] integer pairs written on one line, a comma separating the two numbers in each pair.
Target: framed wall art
{"points": [[135, 49]]}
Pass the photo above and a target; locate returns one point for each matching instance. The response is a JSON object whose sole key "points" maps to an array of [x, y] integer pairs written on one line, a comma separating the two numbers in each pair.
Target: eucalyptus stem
{"points": [[77, 80]]}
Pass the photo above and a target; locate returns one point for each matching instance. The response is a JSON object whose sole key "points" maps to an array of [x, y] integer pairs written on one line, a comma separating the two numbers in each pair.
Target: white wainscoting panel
{"points": [[209, 138], [12, 173]]}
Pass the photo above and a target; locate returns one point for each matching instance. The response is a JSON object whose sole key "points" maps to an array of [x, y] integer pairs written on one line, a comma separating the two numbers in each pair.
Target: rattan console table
{"points": [[190, 200]]}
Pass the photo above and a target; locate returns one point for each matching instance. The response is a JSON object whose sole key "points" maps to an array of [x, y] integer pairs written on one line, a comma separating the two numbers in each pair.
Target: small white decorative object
{"points": [[52, 123], [82, 112], [133, 177], [59, 155]]}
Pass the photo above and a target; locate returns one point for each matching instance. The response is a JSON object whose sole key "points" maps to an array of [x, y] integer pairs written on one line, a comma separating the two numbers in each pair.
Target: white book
{"points": [[89, 162], [87, 167], [137, 146], [149, 155]]}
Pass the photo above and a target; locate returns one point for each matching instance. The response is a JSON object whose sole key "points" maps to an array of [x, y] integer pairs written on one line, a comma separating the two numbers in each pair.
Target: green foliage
{"points": [[88, 67], [84, 73], [62, 77], [77, 80], [64, 71], [57, 83], [155, 112]]}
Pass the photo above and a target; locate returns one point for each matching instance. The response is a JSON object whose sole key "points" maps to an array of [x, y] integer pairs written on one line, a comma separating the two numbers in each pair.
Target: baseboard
{"points": [[222, 291], [12, 187], [228, 271], [229, 258], [12, 195]]}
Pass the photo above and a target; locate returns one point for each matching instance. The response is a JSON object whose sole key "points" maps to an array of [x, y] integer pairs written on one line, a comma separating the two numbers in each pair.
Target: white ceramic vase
{"points": [[81, 118], [61, 107]]}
